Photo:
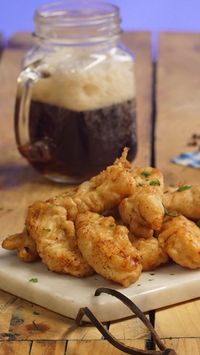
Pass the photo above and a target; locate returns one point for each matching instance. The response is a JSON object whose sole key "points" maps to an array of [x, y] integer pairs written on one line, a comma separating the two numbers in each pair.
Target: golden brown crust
{"points": [[180, 238], [55, 239], [107, 248], [143, 212], [186, 202], [24, 244], [102, 245], [151, 252]]}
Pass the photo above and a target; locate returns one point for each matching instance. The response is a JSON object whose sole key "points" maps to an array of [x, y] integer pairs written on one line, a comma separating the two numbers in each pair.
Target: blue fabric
{"points": [[188, 159]]}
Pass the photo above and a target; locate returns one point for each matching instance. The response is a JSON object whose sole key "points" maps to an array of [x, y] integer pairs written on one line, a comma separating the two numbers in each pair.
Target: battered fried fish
{"points": [[101, 193], [24, 244], [185, 200], [180, 238], [107, 248], [152, 254], [143, 212], [55, 239]]}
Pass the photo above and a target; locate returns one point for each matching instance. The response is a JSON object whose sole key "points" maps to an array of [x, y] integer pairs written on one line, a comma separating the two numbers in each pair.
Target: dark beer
{"points": [[80, 117], [78, 144]]}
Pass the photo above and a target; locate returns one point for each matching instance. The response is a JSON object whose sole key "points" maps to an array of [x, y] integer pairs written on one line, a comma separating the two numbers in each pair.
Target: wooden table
{"points": [[168, 102]]}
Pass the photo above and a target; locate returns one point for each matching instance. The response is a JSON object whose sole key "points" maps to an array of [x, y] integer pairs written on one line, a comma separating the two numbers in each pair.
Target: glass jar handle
{"points": [[26, 81]]}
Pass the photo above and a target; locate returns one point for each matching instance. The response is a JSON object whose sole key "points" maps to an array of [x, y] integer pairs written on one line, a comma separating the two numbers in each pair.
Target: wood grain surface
{"points": [[178, 104], [28, 329]]}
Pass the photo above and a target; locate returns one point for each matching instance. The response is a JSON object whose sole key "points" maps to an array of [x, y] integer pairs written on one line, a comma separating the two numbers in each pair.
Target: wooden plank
{"points": [[140, 45], [184, 346], [1, 44], [179, 321], [6, 306], [48, 348], [99, 347], [129, 329], [178, 103], [14, 348], [22, 320]]}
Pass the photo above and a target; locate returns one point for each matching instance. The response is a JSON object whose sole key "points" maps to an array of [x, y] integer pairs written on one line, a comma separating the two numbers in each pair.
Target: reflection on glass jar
{"points": [[75, 107]]}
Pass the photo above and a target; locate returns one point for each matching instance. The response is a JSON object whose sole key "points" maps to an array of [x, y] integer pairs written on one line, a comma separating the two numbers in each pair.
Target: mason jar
{"points": [[75, 106]]}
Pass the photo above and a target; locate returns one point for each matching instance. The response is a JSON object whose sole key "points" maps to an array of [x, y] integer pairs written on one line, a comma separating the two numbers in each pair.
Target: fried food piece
{"points": [[100, 193], [107, 248], [180, 238], [152, 254], [143, 212], [186, 202], [24, 244], [55, 239]]}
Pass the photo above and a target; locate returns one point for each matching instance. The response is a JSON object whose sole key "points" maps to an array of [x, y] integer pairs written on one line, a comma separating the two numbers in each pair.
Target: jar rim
{"points": [[77, 21], [67, 12]]}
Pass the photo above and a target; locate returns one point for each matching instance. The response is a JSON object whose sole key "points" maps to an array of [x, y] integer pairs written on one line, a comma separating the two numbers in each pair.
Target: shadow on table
{"points": [[12, 176]]}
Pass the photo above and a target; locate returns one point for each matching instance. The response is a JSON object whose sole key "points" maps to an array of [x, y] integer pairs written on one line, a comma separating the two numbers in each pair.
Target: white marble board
{"points": [[65, 294]]}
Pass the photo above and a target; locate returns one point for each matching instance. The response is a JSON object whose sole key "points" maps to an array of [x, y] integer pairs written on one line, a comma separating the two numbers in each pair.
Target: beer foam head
{"points": [[86, 86]]}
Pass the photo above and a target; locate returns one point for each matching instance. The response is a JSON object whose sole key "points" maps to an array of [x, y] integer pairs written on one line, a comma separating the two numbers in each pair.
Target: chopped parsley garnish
{"points": [[47, 229], [111, 225], [155, 182], [145, 173], [183, 188], [170, 213], [140, 184], [198, 223], [33, 279]]}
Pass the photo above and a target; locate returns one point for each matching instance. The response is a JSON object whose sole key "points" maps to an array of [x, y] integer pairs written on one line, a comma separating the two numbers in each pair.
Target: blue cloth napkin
{"points": [[191, 159]]}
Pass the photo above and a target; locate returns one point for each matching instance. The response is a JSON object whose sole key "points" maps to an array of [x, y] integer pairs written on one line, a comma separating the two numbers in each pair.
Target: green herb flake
{"points": [[155, 182], [51, 206], [145, 173], [198, 223], [140, 184], [111, 225], [173, 214], [47, 229], [183, 188], [170, 213], [33, 279]]}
